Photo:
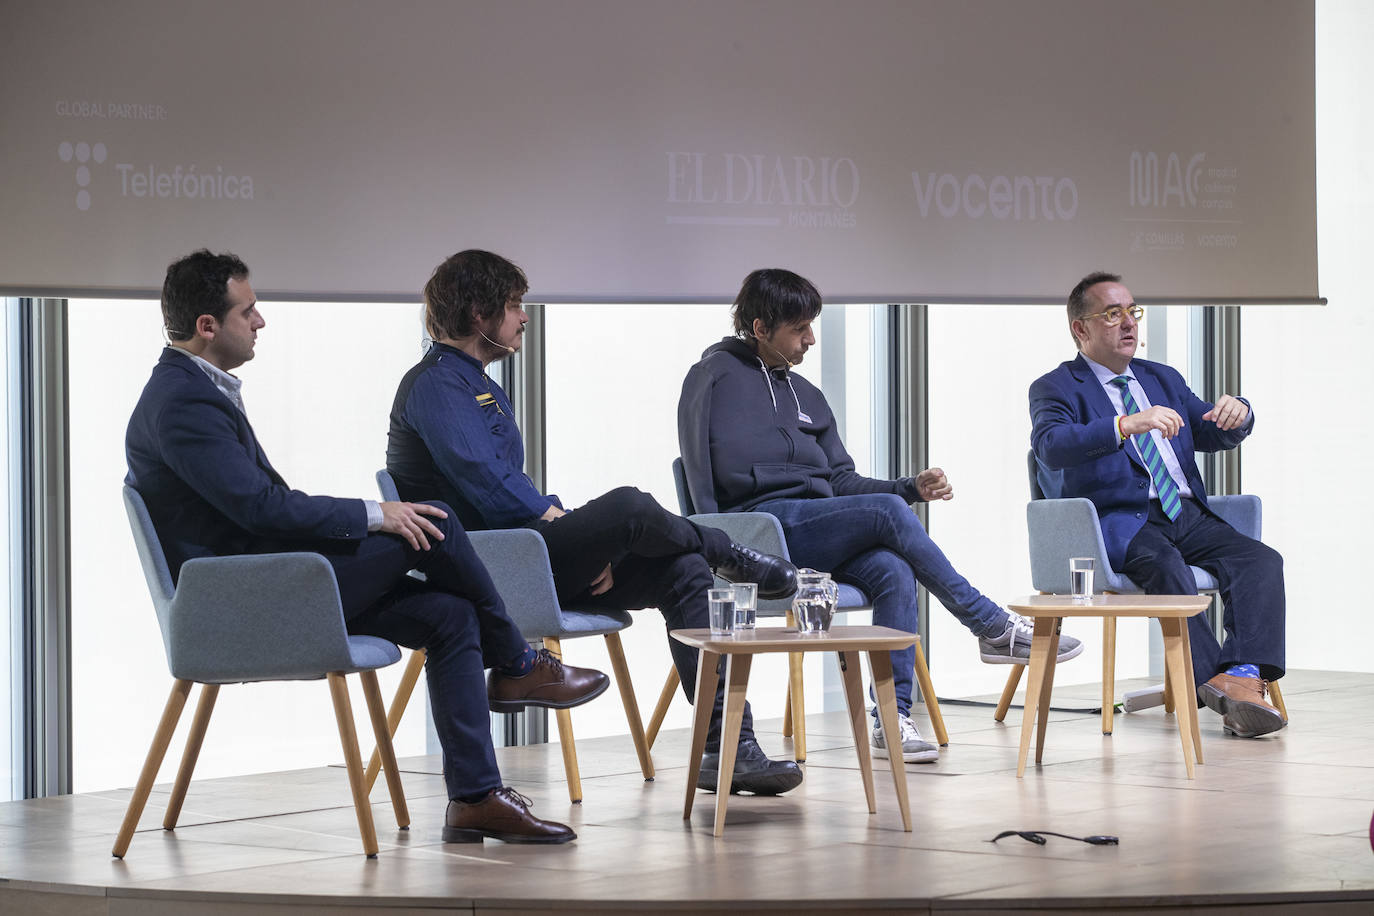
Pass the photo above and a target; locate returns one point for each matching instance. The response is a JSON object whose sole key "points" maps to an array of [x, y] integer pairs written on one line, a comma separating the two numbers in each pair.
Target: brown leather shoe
{"points": [[503, 815], [1242, 705], [549, 683]]}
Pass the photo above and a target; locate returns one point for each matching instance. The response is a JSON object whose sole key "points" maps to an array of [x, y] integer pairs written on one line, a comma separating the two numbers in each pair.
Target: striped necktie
{"points": [[1164, 482]]}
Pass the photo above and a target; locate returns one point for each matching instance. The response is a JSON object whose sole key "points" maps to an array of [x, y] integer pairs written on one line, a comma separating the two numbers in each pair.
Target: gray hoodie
{"points": [[749, 434]]}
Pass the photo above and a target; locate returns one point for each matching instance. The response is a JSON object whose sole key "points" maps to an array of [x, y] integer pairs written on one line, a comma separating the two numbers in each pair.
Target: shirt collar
{"points": [[1105, 375], [229, 384]]}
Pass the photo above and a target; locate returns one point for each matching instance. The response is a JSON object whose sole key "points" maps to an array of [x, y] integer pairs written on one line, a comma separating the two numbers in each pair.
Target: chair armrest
{"points": [[518, 562], [1242, 512], [1063, 528], [231, 617]]}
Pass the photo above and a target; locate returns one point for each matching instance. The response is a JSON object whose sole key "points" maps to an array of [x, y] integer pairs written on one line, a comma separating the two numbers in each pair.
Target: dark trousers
{"points": [[456, 616], [657, 559], [1249, 573]]}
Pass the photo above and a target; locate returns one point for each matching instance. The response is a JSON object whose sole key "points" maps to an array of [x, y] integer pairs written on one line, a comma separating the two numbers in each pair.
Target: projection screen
{"points": [[652, 151]]}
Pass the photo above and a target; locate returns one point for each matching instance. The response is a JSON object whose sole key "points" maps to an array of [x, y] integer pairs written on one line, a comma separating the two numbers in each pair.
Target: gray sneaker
{"points": [[1012, 645], [914, 748]]}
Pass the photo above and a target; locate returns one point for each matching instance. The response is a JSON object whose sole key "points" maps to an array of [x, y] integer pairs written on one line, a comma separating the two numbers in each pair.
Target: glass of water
{"points": [[1081, 577], [721, 607], [746, 605]]}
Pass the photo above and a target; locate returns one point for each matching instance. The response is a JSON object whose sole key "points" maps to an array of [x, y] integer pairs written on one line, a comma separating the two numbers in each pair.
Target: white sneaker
{"points": [[1012, 645], [914, 748]]}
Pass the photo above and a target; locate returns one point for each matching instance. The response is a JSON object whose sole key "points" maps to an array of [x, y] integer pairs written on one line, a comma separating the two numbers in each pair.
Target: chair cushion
{"points": [[592, 623]]}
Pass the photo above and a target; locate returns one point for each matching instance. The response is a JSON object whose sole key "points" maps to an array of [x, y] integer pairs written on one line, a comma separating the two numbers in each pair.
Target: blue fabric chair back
{"points": [[260, 617]]}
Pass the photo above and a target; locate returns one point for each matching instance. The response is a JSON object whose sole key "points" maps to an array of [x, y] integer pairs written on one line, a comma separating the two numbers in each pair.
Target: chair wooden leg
{"points": [[1008, 692], [665, 700], [937, 721], [1277, 698], [797, 703], [409, 678], [166, 726], [206, 705], [376, 711], [627, 698], [1108, 673], [353, 759], [1168, 693], [787, 704], [565, 734]]}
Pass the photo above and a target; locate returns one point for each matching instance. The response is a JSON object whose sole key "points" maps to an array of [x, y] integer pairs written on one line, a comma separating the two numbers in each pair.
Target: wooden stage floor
{"points": [[1276, 825]]}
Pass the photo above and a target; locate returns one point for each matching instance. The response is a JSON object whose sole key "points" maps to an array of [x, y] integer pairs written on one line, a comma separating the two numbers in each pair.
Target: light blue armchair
{"points": [[518, 563], [763, 532], [1063, 528], [266, 617]]}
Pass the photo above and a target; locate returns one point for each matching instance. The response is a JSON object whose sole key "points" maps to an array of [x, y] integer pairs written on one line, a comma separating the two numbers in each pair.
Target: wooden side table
{"points": [[739, 649], [1049, 611]]}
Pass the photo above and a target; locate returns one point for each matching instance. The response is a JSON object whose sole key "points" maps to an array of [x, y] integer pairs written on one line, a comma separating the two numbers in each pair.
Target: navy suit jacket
{"points": [[208, 485], [1078, 451]]}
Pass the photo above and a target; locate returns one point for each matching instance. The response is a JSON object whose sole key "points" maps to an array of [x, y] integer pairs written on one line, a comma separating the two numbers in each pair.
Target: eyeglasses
{"points": [[1112, 316]]}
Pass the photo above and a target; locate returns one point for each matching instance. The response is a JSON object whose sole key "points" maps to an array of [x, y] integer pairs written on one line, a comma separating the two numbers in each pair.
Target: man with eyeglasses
{"points": [[1122, 431]]}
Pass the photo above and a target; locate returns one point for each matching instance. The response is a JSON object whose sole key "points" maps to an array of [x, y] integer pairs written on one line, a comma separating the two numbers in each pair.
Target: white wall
{"points": [[1307, 372]]}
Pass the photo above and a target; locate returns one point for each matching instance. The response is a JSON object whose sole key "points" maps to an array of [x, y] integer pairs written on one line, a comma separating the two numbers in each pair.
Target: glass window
{"points": [[319, 392], [613, 377], [982, 362], [11, 691]]}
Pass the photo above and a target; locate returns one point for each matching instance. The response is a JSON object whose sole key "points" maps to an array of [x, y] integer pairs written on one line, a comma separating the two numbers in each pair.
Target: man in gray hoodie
{"points": [[755, 436]]}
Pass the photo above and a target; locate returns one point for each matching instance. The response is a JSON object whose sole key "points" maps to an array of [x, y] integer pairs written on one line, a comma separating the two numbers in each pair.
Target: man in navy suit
{"points": [[212, 492], [1122, 432]]}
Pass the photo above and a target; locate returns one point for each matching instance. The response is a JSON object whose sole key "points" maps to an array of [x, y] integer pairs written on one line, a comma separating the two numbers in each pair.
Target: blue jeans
{"points": [[878, 545]]}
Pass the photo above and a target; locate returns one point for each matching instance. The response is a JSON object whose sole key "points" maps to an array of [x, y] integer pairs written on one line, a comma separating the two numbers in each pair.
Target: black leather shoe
{"points": [[550, 684], [754, 772], [502, 815], [776, 578]]}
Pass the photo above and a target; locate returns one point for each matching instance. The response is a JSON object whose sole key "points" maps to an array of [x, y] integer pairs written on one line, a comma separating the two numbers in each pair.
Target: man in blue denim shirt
{"points": [[453, 437]]}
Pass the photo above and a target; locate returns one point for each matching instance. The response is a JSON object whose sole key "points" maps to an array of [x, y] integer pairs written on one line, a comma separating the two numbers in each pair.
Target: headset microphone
{"points": [[790, 364], [510, 350]]}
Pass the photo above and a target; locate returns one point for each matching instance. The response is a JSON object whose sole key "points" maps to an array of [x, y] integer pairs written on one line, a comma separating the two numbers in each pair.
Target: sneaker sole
{"points": [[1244, 720], [758, 785], [517, 705], [930, 756], [1010, 660]]}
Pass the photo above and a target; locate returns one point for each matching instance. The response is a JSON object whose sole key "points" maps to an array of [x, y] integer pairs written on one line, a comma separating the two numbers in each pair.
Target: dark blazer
{"points": [[209, 487], [1077, 449]]}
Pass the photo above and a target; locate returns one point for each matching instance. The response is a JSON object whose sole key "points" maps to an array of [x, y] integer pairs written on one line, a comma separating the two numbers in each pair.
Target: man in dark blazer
{"points": [[211, 491], [1122, 432]]}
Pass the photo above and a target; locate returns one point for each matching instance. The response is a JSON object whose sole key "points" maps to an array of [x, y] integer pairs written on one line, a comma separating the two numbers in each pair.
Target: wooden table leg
{"points": [[1047, 690], [704, 702], [880, 663], [1035, 682], [736, 681], [858, 721], [1173, 658], [1190, 695]]}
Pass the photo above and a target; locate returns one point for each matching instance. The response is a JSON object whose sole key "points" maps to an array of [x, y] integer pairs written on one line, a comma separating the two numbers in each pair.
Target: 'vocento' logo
{"points": [[83, 153], [1014, 197]]}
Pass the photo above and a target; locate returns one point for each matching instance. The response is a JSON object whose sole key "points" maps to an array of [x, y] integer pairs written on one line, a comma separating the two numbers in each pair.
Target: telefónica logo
{"points": [[83, 153]]}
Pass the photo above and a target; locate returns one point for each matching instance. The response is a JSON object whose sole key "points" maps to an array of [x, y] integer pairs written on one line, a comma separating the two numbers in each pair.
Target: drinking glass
{"points": [[721, 605], [1081, 577], [746, 605]]}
